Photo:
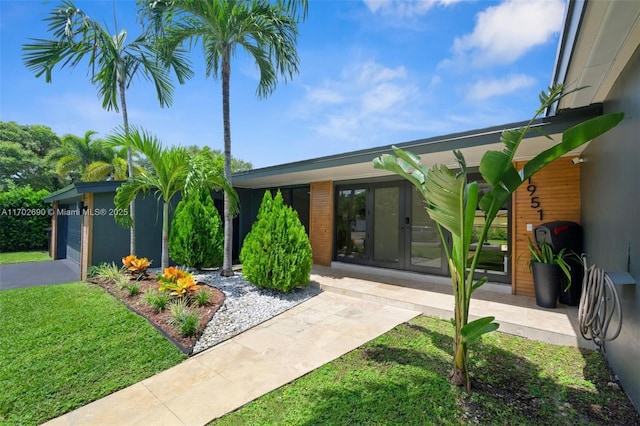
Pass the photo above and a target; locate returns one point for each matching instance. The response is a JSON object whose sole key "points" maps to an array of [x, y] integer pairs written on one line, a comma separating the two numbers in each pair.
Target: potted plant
{"points": [[549, 272]]}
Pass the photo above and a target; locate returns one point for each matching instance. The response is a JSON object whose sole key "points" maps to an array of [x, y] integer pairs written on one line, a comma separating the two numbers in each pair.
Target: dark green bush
{"points": [[276, 253], [24, 219], [196, 237]]}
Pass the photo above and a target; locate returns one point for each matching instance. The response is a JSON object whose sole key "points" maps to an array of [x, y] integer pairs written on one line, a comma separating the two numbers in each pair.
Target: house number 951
{"points": [[535, 200]]}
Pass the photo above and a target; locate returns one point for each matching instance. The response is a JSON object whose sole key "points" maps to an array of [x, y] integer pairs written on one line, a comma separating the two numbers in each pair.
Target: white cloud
{"points": [[485, 89], [404, 8], [506, 32], [367, 100]]}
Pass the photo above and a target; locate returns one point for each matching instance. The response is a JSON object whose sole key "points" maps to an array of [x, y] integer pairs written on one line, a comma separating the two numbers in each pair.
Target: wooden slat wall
{"points": [[321, 222], [86, 242], [53, 244], [558, 191]]}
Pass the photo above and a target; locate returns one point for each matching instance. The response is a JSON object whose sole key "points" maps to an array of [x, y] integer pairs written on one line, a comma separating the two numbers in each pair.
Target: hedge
{"points": [[24, 219]]}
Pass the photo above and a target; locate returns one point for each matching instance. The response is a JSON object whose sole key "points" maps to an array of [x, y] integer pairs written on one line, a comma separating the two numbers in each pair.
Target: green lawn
{"points": [[66, 345], [24, 256], [401, 379]]}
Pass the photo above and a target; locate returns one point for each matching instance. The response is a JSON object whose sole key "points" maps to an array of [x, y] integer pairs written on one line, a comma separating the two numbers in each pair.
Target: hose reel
{"points": [[598, 304]]}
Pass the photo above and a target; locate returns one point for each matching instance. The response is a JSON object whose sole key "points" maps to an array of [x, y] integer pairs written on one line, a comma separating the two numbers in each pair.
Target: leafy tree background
{"points": [[23, 156]]}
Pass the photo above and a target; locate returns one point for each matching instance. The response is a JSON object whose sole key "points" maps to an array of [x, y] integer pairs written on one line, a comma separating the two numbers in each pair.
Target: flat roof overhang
{"points": [[75, 190], [473, 144]]}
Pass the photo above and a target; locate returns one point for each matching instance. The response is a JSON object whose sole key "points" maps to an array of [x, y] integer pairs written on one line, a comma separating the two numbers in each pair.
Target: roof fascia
{"points": [[76, 189], [572, 22], [550, 125]]}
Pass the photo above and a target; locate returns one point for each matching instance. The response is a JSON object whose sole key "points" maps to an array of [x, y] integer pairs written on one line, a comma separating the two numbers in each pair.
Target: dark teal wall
{"points": [[111, 241], [611, 217]]}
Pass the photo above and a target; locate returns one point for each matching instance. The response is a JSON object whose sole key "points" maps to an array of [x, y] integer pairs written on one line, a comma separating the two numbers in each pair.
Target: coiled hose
{"points": [[598, 304]]}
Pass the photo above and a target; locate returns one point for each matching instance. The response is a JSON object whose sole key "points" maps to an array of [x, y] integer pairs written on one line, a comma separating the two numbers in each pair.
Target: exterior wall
{"points": [[321, 222], [611, 212], [111, 241], [53, 241], [86, 239], [557, 187]]}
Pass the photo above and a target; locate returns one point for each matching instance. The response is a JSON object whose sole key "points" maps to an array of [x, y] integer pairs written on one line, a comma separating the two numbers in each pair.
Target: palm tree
{"points": [[115, 169], [76, 154], [173, 170], [117, 62], [267, 31]]}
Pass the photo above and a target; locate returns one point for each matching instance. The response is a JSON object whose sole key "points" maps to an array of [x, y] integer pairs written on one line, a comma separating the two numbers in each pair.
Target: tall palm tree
{"points": [[115, 168], [267, 31], [76, 154], [75, 36], [173, 170]]}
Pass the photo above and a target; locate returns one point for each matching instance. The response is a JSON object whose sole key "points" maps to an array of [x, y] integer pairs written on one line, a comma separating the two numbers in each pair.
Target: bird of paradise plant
{"points": [[451, 201]]}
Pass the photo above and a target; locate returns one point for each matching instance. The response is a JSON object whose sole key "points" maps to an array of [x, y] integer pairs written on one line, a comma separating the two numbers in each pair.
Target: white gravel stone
{"points": [[245, 306]]}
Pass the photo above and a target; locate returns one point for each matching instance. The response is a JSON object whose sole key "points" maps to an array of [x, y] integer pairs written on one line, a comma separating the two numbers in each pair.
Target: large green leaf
{"points": [[573, 138], [473, 330]]}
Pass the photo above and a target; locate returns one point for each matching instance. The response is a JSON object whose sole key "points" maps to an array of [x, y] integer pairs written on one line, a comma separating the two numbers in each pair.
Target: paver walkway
{"points": [[229, 375]]}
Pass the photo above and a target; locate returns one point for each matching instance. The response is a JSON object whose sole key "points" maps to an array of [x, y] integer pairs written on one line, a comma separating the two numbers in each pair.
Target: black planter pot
{"points": [[546, 282]]}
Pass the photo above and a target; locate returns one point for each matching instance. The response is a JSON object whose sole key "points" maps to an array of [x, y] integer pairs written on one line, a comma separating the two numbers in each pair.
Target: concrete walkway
{"points": [[32, 274], [354, 308]]}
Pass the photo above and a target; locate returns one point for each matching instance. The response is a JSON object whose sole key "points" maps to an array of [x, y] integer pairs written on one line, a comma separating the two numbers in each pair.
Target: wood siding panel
{"points": [[321, 222], [557, 187], [86, 242]]}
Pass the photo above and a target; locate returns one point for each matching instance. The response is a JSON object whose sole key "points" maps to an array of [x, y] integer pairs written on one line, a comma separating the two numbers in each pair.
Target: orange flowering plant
{"points": [[136, 265], [180, 283]]}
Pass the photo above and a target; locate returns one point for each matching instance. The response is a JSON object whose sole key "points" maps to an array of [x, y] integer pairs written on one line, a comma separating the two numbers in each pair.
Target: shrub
{"points": [[189, 324], [276, 253], [106, 271], [158, 301], [133, 289], [178, 282], [178, 310], [202, 297], [24, 219], [196, 237], [137, 266]]}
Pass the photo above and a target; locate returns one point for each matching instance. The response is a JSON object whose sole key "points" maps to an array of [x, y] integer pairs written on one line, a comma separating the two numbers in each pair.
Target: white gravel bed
{"points": [[245, 306]]}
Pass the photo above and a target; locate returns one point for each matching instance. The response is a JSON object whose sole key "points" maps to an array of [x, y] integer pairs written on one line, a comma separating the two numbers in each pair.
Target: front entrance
{"points": [[386, 225]]}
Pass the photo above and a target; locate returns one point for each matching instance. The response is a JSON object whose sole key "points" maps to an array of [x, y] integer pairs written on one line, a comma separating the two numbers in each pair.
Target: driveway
{"points": [[31, 274]]}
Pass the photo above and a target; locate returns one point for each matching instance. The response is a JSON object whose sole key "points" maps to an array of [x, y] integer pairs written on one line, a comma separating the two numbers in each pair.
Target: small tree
{"points": [[276, 253], [196, 237], [451, 202]]}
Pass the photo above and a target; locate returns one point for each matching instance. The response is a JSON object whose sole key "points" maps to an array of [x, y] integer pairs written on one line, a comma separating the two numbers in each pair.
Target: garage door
{"points": [[69, 227]]}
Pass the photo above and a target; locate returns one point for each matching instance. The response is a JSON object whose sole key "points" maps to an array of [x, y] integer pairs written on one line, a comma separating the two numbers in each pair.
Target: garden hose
{"points": [[598, 304]]}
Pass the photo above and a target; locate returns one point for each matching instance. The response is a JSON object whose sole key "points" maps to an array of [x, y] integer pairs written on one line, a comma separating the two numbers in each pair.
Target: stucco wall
{"points": [[611, 217]]}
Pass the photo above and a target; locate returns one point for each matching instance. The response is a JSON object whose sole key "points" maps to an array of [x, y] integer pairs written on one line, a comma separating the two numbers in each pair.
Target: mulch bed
{"points": [[160, 320]]}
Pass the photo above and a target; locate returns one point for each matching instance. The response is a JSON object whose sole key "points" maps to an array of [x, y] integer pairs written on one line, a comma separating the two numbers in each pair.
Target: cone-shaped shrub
{"points": [[196, 237], [276, 253]]}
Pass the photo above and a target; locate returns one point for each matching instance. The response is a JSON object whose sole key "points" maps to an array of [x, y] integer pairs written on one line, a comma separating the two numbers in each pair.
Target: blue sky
{"points": [[372, 72]]}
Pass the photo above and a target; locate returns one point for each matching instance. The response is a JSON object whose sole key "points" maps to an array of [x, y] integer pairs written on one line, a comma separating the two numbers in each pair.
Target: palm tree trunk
{"points": [[227, 270], [132, 205], [164, 261]]}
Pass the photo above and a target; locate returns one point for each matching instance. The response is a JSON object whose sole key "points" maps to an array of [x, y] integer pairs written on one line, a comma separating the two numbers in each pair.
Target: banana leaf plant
{"points": [[451, 201]]}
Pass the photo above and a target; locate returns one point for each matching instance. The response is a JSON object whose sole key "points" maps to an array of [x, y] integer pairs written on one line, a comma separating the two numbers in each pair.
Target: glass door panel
{"points": [[426, 251], [351, 222], [386, 227]]}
